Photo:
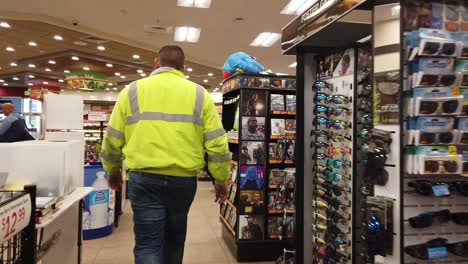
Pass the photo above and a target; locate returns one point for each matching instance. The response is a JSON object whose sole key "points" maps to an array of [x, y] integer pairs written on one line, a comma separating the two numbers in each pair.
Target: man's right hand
{"points": [[221, 193], [115, 181]]}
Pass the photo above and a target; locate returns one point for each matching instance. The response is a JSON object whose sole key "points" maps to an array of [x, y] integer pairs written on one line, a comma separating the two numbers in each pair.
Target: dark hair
{"points": [[172, 56]]}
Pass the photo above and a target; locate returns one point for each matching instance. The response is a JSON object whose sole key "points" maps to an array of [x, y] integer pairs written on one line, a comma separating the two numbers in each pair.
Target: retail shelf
{"points": [[281, 211], [283, 113], [277, 186], [291, 136], [232, 205], [227, 225], [233, 141]]}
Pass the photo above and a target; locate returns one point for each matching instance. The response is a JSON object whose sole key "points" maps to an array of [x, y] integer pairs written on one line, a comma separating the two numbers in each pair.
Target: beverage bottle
{"points": [[99, 201]]}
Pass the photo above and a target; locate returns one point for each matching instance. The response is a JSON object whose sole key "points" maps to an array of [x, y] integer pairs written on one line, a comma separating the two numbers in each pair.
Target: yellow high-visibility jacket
{"points": [[163, 124]]}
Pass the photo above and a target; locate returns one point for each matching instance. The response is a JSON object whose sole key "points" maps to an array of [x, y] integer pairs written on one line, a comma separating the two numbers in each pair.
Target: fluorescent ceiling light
{"points": [[117, 74], [31, 76], [100, 47], [265, 39], [45, 82], [66, 71], [189, 69], [13, 64], [115, 88], [140, 71], [1, 80], [32, 44], [15, 79], [58, 37], [122, 77], [143, 74], [86, 68], [5, 84], [205, 81], [11, 49], [107, 89], [75, 58], [52, 62], [187, 34], [30, 84], [365, 39], [60, 80], [31, 65], [187, 77], [210, 74], [47, 70], [194, 3], [4, 24], [136, 56], [110, 84], [293, 65], [297, 7], [109, 65]]}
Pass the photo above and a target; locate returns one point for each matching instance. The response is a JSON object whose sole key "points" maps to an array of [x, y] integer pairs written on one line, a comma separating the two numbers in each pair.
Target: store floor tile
{"points": [[204, 242]]}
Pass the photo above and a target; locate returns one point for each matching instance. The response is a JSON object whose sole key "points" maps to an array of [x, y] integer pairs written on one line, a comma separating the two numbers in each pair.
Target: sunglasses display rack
{"points": [[259, 217], [435, 197]]}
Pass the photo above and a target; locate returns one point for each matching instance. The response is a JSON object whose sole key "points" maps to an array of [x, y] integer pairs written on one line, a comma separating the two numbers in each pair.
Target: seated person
{"points": [[13, 127]]}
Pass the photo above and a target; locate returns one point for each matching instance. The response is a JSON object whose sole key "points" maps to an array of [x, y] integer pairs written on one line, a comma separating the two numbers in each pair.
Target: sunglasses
{"points": [[319, 228], [428, 80], [433, 48], [333, 255], [440, 166], [333, 176], [337, 164], [332, 188], [331, 201], [320, 85], [375, 235], [421, 251], [365, 105], [459, 249], [331, 111], [336, 99], [464, 138], [320, 205], [366, 120], [329, 135], [329, 123], [436, 138], [427, 188], [434, 107], [426, 219], [334, 216], [366, 90], [333, 240], [320, 168], [465, 80], [459, 186]]}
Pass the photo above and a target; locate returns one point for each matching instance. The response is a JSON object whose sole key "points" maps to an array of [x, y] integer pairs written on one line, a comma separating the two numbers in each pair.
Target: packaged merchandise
{"points": [[251, 202], [432, 131], [291, 104], [277, 128], [275, 227], [277, 103], [251, 227]]}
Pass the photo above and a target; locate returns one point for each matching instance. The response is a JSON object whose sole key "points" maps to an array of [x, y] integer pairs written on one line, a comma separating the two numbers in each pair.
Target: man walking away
{"points": [[162, 125], [13, 127]]}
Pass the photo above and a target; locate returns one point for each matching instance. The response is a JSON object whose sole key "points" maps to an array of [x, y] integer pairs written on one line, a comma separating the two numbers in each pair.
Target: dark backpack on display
{"points": [[18, 131]]}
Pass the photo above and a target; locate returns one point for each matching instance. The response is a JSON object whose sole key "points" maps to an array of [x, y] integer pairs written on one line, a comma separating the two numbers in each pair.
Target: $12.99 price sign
{"points": [[14, 217]]}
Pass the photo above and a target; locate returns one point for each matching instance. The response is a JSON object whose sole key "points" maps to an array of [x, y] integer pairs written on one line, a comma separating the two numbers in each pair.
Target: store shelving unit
{"points": [[249, 216]]}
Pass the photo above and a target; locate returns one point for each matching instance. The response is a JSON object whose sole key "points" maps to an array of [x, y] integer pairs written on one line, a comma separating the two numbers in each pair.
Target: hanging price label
{"points": [[14, 217]]}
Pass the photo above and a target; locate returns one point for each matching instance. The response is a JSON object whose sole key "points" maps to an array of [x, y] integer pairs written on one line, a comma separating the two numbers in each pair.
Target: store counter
{"points": [[59, 237]]}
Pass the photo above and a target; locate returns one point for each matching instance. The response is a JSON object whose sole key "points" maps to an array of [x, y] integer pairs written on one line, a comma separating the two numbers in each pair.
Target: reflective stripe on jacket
{"points": [[163, 124]]}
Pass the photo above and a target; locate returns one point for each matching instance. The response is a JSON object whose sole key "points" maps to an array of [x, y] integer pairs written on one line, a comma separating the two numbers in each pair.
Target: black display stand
{"points": [[246, 100]]}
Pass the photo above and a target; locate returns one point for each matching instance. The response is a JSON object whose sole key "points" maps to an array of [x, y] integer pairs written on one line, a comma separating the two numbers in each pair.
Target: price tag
{"points": [[441, 190], [14, 217], [437, 253], [97, 116]]}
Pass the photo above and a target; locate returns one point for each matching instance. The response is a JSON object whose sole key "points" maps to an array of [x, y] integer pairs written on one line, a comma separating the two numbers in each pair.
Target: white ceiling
{"points": [[123, 20]]}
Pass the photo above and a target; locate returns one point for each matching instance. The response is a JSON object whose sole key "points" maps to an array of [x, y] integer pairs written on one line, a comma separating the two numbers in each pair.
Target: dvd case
{"points": [[275, 227], [290, 151], [264, 82], [276, 83], [277, 102], [251, 227], [291, 103], [277, 178], [252, 177], [254, 103], [290, 126], [277, 127], [276, 201], [253, 153], [253, 128], [251, 202]]}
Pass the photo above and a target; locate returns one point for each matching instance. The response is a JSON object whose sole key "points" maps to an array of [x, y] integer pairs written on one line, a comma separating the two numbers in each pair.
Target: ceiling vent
{"points": [[157, 29], [94, 40]]}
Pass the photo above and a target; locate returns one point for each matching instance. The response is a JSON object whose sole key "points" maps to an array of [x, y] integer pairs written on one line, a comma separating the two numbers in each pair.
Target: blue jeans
{"points": [[160, 207]]}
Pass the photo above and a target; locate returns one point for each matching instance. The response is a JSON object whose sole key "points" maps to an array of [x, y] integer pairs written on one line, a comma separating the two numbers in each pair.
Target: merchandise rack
{"points": [[323, 29], [236, 92]]}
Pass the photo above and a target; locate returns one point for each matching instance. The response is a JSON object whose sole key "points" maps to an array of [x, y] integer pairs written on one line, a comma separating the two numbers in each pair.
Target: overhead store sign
{"points": [[38, 92], [86, 81], [317, 17]]}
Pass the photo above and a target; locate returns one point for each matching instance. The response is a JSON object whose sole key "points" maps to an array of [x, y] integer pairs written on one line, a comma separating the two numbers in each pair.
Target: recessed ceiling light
{"points": [[62, 90], [297, 7], [136, 56], [110, 84], [100, 47], [10, 49], [220, 83], [45, 82], [13, 64], [265, 39], [52, 62], [205, 81], [61, 80], [142, 74], [187, 77], [115, 88], [107, 89], [4, 24], [1, 80], [187, 34], [15, 79], [189, 69], [210, 74], [109, 65], [293, 65], [122, 77], [140, 71], [117, 74], [58, 37], [47, 70], [32, 44], [75, 58], [216, 89], [30, 84], [5, 84], [31, 65], [66, 71], [80, 43], [86, 68], [194, 3], [31, 76]]}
